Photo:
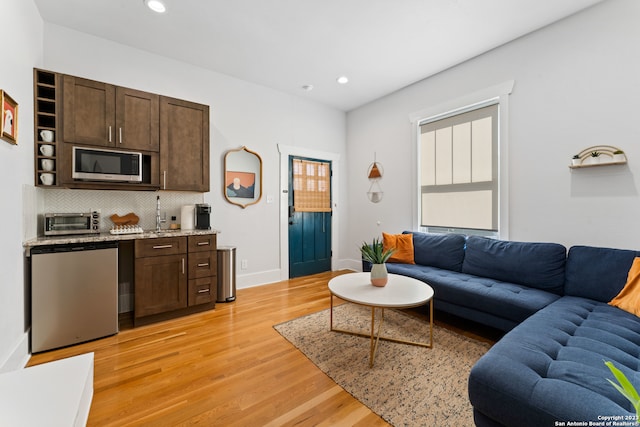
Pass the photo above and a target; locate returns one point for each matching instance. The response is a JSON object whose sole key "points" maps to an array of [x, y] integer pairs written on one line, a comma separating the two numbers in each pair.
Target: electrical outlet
{"points": [[244, 264]]}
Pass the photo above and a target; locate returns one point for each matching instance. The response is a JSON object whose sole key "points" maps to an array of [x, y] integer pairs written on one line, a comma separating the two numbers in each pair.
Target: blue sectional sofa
{"points": [[548, 370]]}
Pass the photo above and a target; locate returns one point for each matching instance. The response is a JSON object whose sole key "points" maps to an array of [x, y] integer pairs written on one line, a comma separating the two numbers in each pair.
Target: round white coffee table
{"points": [[400, 292]]}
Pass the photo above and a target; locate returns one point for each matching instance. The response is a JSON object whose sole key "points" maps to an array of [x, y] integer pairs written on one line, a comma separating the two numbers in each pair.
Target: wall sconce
{"points": [[374, 174]]}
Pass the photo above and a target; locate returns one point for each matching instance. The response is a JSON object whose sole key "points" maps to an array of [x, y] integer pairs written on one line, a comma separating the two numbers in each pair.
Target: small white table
{"points": [[400, 292]]}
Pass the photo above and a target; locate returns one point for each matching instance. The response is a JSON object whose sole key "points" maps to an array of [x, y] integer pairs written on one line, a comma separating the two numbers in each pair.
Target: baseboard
{"points": [[349, 264], [257, 279], [19, 357], [271, 276]]}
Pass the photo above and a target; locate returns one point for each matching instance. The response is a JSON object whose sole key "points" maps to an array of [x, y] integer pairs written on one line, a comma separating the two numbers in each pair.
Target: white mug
{"points": [[47, 135], [46, 178], [46, 150], [47, 164]]}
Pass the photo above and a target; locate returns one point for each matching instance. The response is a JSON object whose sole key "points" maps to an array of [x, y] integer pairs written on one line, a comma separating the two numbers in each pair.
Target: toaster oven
{"points": [[60, 224]]}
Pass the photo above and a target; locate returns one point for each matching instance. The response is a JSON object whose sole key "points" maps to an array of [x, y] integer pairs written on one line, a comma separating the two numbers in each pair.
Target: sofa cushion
{"points": [[597, 273], [551, 367], [438, 250], [536, 265], [403, 245], [508, 300]]}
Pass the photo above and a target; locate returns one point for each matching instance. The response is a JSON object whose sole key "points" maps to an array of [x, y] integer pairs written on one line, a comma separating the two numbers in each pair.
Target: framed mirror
{"points": [[242, 177]]}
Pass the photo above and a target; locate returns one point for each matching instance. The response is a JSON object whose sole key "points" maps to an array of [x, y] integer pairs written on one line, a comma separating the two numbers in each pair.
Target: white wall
{"points": [[23, 52], [241, 114], [576, 86]]}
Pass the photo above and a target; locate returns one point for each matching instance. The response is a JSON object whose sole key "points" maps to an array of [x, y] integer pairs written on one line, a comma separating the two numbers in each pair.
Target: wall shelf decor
{"points": [[598, 155], [374, 174]]}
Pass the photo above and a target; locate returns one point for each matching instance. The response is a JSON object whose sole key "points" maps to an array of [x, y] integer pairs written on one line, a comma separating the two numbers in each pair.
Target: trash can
{"points": [[226, 274]]}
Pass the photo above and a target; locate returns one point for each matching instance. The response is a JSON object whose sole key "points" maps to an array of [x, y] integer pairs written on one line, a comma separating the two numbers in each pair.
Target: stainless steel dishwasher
{"points": [[74, 293]]}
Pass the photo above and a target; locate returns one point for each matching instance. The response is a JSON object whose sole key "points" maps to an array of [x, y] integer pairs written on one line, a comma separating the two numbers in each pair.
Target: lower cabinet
{"points": [[203, 269], [173, 274], [161, 284]]}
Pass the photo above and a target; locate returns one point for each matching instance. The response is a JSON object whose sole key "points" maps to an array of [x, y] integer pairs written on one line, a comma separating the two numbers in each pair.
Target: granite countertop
{"points": [[108, 237]]}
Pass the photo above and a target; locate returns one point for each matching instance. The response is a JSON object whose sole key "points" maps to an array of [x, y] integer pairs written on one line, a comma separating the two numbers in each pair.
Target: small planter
{"points": [[379, 275], [377, 256]]}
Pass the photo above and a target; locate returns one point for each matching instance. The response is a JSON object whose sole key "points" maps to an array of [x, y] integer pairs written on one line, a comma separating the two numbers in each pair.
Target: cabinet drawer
{"points": [[202, 243], [203, 264], [203, 290], [161, 246]]}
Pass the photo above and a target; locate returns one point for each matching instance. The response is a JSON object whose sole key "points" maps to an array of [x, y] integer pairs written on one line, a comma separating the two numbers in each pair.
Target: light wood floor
{"points": [[225, 367]]}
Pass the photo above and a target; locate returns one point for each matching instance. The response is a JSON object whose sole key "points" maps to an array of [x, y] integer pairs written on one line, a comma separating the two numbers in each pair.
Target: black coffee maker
{"points": [[203, 216]]}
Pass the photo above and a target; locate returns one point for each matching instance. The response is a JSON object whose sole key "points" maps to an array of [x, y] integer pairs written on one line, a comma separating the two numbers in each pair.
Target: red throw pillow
{"points": [[403, 243]]}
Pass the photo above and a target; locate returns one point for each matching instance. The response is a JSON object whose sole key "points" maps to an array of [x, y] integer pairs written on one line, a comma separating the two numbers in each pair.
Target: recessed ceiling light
{"points": [[343, 80], [307, 87], [156, 5]]}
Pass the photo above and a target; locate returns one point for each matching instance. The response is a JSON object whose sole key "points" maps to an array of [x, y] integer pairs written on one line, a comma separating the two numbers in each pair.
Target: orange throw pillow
{"points": [[403, 243], [629, 297]]}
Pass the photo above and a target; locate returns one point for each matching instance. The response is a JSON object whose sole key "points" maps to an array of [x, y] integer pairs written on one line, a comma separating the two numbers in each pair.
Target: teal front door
{"points": [[309, 216]]}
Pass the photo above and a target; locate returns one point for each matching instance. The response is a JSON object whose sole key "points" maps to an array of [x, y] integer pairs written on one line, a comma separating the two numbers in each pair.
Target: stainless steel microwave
{"points": [[97, 164]]}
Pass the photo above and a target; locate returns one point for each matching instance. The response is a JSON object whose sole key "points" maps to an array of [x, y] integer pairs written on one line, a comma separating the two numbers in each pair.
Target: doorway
{"points": [[309, 216]]}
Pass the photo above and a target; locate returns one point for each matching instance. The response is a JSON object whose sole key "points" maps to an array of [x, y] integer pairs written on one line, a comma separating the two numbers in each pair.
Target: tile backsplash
{"points": [[142, 203]]}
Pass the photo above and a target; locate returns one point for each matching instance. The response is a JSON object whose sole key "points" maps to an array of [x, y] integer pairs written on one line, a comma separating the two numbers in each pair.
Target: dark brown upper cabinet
{"points": [[184, 145], [101, 114]]}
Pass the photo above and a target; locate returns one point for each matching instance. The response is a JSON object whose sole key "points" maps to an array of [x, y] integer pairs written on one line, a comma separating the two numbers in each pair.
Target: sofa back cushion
{"points": [[597, 273], [537, 265], [438, 250]]}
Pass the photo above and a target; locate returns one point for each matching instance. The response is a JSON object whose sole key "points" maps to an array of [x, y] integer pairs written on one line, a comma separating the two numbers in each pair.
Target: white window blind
{"points": [[459, 170]]}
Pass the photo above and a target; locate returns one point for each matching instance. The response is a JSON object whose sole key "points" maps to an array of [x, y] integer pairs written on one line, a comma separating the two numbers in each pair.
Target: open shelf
{"points": [[46, 96], [607, 157]]}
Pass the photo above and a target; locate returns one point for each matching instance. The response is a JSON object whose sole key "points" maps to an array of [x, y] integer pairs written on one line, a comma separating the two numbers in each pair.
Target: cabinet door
{"points": [[160, 284], [88, 112], [184, 145], [137, 120]]}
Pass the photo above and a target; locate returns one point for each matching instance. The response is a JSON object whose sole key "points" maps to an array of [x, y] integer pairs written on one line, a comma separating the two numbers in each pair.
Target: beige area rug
{"points": [[408, 385]]}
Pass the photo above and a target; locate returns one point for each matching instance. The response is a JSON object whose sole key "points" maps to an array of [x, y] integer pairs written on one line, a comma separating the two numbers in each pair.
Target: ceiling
{"points": [[381, 45]]}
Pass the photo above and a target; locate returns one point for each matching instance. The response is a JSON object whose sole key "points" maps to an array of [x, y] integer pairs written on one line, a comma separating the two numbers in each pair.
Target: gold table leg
{"points": [[376, 337]]}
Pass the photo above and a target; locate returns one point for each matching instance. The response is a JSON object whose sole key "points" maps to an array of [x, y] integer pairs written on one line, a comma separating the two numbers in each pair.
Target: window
{"points": [[459, 171]]}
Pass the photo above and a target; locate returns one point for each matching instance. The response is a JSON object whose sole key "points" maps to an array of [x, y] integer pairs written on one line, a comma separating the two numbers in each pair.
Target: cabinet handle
{"points": [[109, 133], [164, 173], [162, 246], [203, 243], [203, 291], [182, 265], [120, 132], [204, 264]]}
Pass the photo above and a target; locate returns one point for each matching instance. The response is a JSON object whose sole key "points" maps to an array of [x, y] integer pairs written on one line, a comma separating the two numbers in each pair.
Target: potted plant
{"points": [[575, 160], [595, 157], [377, 256], [618, 156]]}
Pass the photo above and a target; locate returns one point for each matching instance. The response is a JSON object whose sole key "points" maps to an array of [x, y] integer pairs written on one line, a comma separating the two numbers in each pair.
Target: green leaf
{"points": [[375, 253], [625, 388]]}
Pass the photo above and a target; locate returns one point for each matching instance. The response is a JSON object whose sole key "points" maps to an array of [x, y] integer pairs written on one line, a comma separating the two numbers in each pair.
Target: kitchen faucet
{"points": [[158, 219]]}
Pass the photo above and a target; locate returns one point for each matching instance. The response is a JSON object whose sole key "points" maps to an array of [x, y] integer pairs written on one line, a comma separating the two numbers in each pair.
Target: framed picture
{"points": [[240, 184], [9, 119]]}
